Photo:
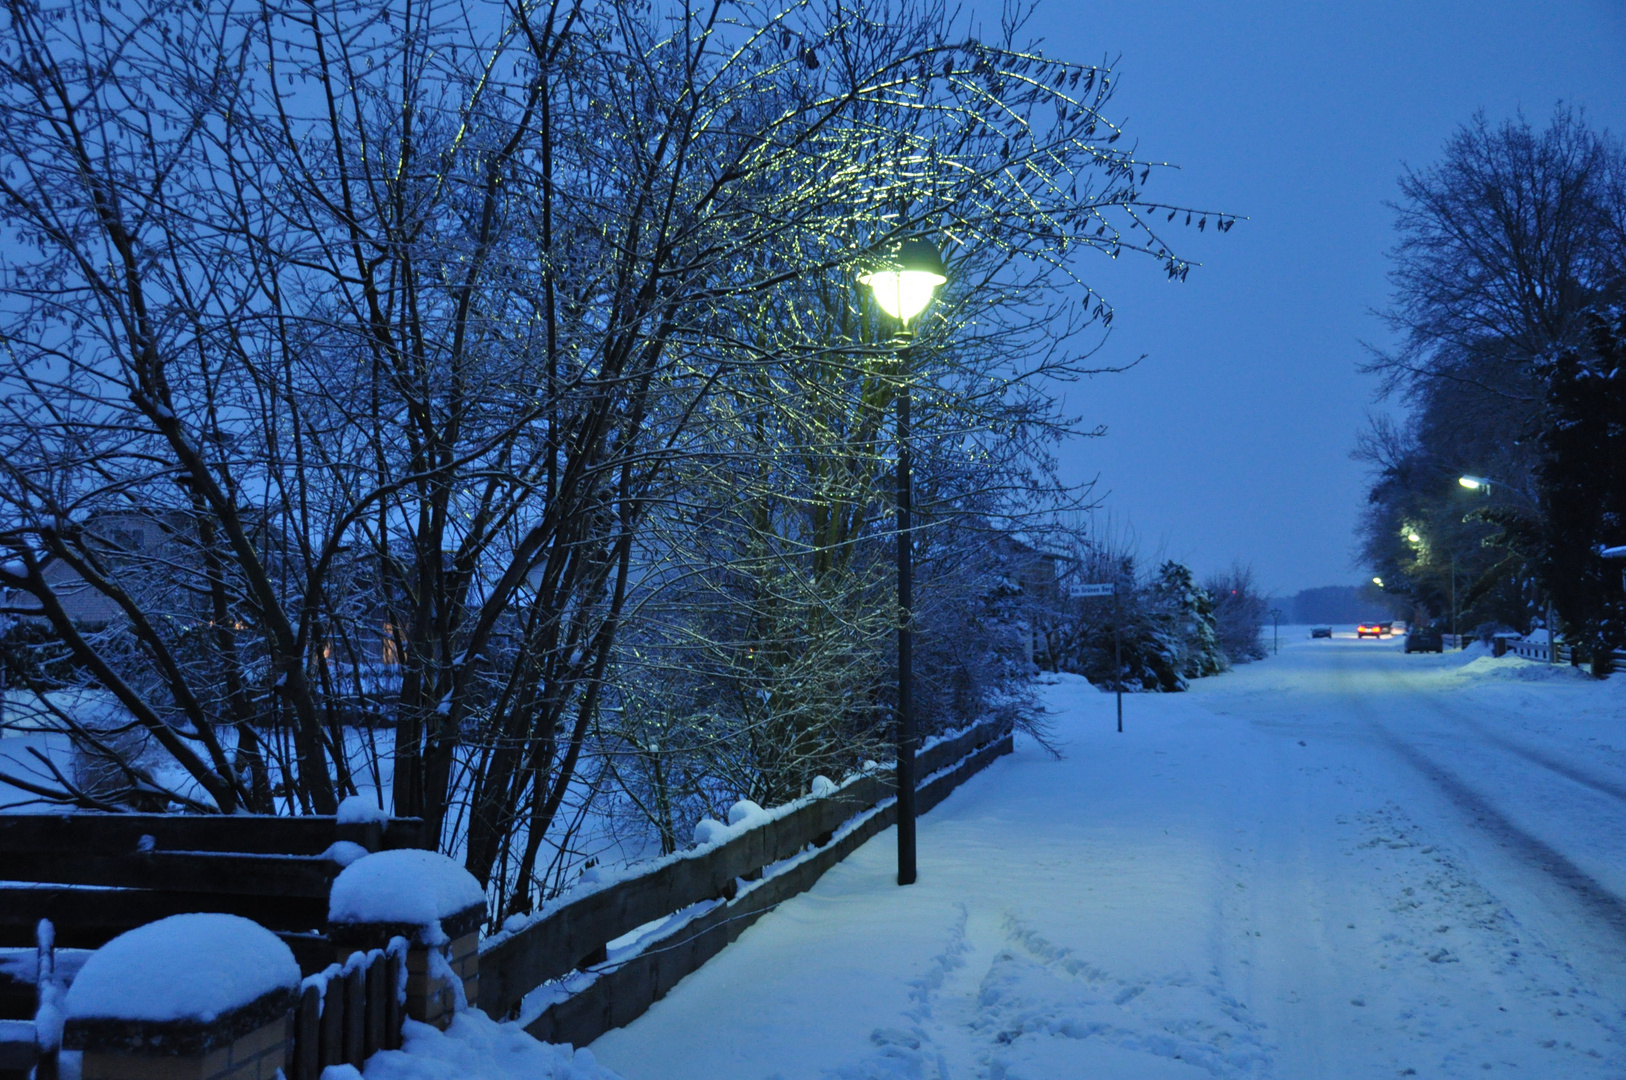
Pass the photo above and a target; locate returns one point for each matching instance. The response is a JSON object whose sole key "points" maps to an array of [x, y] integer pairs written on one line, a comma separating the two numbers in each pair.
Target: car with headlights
{"points": [[1369, 629]]}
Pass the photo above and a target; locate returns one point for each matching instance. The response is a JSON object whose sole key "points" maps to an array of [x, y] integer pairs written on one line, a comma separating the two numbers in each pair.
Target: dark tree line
{"points": [[1510, 262]]}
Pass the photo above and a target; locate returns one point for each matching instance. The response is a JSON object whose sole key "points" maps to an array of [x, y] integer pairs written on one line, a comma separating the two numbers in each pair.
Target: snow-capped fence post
{"points": [[190, 997], [48, 1002], [429, 900]]}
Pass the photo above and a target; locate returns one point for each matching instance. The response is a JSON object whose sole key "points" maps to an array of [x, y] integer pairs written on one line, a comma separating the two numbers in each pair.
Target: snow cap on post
{"points": [[181, 985], [420, 895]]}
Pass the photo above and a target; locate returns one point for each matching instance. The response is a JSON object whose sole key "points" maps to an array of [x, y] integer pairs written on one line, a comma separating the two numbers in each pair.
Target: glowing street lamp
{"points": [[1414, 538], [1475, 483], [904, 276], [1378, 582]]}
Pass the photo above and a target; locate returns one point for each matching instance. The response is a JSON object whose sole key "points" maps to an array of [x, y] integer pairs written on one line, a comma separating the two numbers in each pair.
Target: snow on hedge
{"points": [[185, 967], [402, 886]]}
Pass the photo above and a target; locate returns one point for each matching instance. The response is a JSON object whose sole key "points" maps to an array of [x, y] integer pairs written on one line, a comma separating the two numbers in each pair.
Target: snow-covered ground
{"points": [[1341, 861]]}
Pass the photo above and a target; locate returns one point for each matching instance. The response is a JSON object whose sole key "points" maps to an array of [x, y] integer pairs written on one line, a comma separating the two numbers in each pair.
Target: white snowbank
{"points": [[360, 809], [403, 886], [1515, 667], [183, 967], [474, 1046]]}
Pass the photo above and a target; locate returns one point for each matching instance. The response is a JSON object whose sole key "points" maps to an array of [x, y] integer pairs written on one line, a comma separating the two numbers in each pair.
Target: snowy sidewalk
{"points": [[1339, 862]]}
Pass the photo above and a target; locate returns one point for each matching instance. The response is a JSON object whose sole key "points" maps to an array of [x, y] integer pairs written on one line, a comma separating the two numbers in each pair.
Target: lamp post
{"points": [[1483, 486], [903, 276]]}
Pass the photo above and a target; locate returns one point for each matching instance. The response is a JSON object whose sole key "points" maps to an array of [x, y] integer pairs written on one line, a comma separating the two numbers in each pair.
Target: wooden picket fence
{"points": [[573, 936], [349, 1012]]}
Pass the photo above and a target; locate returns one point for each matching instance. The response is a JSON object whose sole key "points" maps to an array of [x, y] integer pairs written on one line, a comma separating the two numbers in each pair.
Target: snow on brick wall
{"points": [[185, 967]]}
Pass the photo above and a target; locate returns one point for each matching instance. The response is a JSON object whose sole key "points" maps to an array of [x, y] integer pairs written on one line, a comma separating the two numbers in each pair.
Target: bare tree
{"points": [[389, 325]]}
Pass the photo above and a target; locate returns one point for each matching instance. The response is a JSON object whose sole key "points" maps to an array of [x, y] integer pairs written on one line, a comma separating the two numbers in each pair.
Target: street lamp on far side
{"points": [[904, 276]]}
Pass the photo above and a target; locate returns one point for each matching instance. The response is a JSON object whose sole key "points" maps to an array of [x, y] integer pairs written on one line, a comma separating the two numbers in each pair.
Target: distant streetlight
{"points": [[1378, 582], [1475, 483], [1414, 538], [904, 276]]}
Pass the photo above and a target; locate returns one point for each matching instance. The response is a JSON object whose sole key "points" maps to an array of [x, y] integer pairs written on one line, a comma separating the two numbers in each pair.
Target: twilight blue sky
{"points": [[1231, 441]]}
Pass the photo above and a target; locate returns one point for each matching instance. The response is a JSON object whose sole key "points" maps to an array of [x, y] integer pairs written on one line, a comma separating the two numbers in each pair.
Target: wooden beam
{"points": [[180, 871], [254, 834], [87, 918]]}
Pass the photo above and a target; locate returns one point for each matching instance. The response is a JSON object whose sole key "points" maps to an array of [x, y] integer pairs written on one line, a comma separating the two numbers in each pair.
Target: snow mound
{"points": [[185, 967], [360, 809], [708, 831], [746, 812], [402, 886], [343, 852], [823, 787], [477, 1046], [1518, 668]]}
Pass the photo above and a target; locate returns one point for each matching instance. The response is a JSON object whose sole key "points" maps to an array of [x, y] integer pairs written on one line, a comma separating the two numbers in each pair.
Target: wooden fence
{"points": [[350, 1012], [127, 870], [1567, 654], [88, 877], [575, 935], [75, 881]]}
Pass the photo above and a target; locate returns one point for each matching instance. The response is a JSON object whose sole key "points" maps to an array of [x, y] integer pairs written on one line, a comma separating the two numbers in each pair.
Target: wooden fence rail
{"points": [[574, 935], [97, 875]]}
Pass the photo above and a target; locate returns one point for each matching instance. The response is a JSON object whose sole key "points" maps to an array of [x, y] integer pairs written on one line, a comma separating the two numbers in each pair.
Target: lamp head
{"points": [[1474, 483], [1378, 582], [1414, 538], [903, 275]]}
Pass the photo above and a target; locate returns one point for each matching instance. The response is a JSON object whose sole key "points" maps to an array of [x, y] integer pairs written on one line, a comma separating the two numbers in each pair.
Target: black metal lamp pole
{"points": [[903, 275], [906, 633]]}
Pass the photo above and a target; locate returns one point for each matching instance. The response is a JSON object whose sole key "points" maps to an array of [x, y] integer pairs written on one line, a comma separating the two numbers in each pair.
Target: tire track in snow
{"points": [[1602, 904], [1562, 768]]}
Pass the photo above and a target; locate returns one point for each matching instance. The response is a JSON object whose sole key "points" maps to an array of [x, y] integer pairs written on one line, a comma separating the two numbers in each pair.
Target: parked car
{"points": [[1425, 639], [1320, 631], [1369, 629]]}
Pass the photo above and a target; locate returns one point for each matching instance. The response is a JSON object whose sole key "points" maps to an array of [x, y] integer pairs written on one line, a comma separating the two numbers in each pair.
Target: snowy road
{"points": [[1338, 862]]}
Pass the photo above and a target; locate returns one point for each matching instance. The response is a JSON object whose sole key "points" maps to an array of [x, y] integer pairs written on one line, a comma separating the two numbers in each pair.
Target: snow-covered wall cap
{"points": [[1617, 552], [404, 886], [185, 967]]}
